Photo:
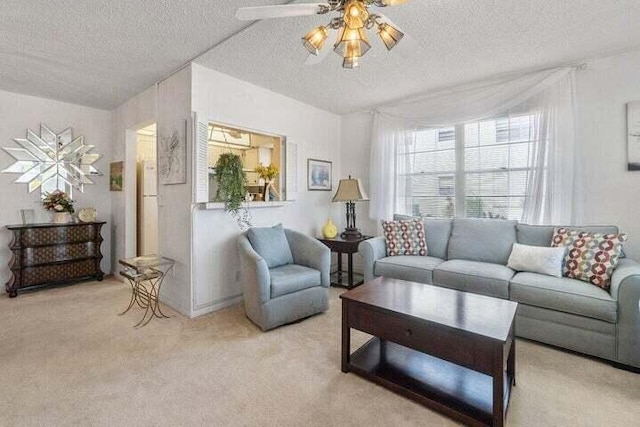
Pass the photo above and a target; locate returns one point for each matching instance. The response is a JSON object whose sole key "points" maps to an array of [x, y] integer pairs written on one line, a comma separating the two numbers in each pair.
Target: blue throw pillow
{"points": [[272, 245]]}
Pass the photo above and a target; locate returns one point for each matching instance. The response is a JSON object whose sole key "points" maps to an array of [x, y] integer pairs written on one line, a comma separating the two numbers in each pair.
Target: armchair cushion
{"points": [[292, 278], [272, 245]]}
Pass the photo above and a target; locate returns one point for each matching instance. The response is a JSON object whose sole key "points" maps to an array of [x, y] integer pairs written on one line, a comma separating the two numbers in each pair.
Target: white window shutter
{"points": [[291, 165], [201, 164]]}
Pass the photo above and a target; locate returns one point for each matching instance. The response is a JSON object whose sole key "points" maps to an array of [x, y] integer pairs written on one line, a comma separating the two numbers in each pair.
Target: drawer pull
{"points": [[408, 332]]}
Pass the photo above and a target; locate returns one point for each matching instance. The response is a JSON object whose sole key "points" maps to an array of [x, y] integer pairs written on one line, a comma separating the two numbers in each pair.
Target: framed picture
{"points": [[116, 175], [172, 153], [633, 131], [319, 175]]}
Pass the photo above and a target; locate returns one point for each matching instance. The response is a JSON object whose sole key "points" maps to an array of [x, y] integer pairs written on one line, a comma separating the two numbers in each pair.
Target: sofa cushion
{"points": [[437, 230], [405, 237], [485, 240], [412, 268], [541, 235], [563, 294], [590, 257], [271, 244], [536, 259], [474, 276], [292, 278]]}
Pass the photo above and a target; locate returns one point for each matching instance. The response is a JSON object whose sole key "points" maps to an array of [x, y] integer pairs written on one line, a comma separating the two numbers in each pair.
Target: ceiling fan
{"points": [[355, 18]]}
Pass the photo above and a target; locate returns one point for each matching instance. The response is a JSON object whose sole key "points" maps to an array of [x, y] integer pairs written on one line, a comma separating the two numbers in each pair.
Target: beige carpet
{"points": [[67, 358]]}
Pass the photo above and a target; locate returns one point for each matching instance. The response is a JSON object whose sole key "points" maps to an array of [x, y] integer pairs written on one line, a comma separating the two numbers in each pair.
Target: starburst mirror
{"points": [[51, 161]]}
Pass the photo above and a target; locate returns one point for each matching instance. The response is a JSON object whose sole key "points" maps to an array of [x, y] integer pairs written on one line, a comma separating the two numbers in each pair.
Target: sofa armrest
{"points": [[372, 250], [625, 288], [311, 253], [254, 272]]}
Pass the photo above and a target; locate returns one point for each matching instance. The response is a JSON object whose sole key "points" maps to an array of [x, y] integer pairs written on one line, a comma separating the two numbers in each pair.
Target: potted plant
{"points": [[232, 180], [60, 204]]}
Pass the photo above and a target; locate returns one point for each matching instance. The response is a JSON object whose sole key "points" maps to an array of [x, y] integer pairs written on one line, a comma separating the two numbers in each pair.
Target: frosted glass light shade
{"points": [[351, 62], [389, 35], [355, 14], [314, 40], [352, 43]]}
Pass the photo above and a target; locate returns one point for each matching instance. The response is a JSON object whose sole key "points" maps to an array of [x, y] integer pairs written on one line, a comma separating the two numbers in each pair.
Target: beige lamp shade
{"points": [[350, 190]]}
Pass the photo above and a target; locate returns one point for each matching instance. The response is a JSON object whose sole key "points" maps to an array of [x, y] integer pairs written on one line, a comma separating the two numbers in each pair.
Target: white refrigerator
{"points": [[147, 184]]}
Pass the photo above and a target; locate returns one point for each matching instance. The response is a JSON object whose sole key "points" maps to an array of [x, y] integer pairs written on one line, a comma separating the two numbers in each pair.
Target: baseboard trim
{"points": [[174, 304], [216, 305]]}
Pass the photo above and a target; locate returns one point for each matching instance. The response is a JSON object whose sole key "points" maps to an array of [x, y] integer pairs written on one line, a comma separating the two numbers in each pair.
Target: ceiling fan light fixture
{"points": [[351, 62], [314, 40], [355, 14], [352, 43], [389, 35]]}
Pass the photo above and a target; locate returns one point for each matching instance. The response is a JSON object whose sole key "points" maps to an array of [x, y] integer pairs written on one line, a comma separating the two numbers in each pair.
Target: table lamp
{"points": [[350, 191]]}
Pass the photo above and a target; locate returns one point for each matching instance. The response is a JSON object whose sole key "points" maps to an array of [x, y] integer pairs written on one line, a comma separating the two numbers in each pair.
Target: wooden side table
{"points": [[340, 277]]}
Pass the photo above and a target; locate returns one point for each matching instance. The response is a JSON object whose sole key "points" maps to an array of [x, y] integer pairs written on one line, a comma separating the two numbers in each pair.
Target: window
{"points": [[254, 149], [475, 169]]}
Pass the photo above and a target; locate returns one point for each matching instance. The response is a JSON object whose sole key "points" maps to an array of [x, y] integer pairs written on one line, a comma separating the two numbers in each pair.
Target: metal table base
{"points": [[146, 275]]}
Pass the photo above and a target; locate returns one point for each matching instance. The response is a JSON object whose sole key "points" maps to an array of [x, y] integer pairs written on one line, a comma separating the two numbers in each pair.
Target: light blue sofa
{"points": [[290, 292], [471, 255]]}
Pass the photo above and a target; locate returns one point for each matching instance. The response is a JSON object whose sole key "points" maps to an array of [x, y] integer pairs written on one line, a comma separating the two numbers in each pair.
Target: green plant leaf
{"points": [[231, 185]]}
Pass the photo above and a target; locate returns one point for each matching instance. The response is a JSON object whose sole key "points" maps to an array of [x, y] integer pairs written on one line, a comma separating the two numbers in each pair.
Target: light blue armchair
{"points": [[285, 276]]}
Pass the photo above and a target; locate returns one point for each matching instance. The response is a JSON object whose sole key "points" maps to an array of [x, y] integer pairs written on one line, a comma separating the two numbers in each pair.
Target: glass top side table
{"points": [[145, 274]]}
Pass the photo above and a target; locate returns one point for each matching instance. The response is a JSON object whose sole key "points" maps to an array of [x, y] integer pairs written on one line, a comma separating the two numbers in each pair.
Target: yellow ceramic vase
{"points": [[330, 230]]}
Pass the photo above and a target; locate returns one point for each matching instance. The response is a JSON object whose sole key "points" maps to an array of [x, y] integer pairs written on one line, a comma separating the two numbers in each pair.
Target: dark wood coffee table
{"points": [[451, 351]]}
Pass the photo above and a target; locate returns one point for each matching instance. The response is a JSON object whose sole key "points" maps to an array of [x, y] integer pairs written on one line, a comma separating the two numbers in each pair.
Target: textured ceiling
{"points": [[460, 40], [102, 52]]}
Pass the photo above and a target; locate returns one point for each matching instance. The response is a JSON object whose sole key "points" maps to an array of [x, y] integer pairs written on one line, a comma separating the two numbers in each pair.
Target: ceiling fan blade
{"points": [[280, 11], [408, 46], [326, 50], [394, 2]]}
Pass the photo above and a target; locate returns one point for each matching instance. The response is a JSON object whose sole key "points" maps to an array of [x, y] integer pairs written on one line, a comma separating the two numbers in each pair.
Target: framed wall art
{"points": [[172, 154], [633, 132], [319, 175], [116, 176]]}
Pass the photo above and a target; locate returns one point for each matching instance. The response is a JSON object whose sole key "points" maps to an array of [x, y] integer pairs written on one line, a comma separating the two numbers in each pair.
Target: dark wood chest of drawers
{"points": [[50, 254]]}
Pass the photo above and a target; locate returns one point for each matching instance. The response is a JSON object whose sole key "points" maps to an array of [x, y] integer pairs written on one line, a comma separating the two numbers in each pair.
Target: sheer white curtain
{"points": [[548, 95]]}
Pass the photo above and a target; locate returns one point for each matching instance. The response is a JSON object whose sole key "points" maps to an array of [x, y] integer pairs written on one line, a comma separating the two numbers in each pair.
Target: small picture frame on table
{"points": [[319, 175], [28, 216]]}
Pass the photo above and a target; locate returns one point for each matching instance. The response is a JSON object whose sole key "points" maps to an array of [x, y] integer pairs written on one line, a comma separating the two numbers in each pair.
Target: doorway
{"points": [[147, 191]]}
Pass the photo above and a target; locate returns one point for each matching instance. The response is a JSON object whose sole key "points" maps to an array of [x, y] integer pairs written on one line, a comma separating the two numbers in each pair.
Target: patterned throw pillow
{"points": [[590, 257], [406, 237]]}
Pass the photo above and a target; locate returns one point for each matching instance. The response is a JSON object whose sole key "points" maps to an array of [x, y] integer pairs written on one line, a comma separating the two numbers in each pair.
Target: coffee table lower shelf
{"points": [[444, 386]]}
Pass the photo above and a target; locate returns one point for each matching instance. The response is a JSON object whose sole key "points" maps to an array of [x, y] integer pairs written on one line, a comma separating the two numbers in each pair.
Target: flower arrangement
{"points": [[267, 173], [57, 201]]}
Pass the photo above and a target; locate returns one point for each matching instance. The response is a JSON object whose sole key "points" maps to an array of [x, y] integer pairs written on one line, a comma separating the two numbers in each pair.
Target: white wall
{"points": [[19, 112], [355, 153], [137, 112], [174, 201], [224, 99], [611, 193]]}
